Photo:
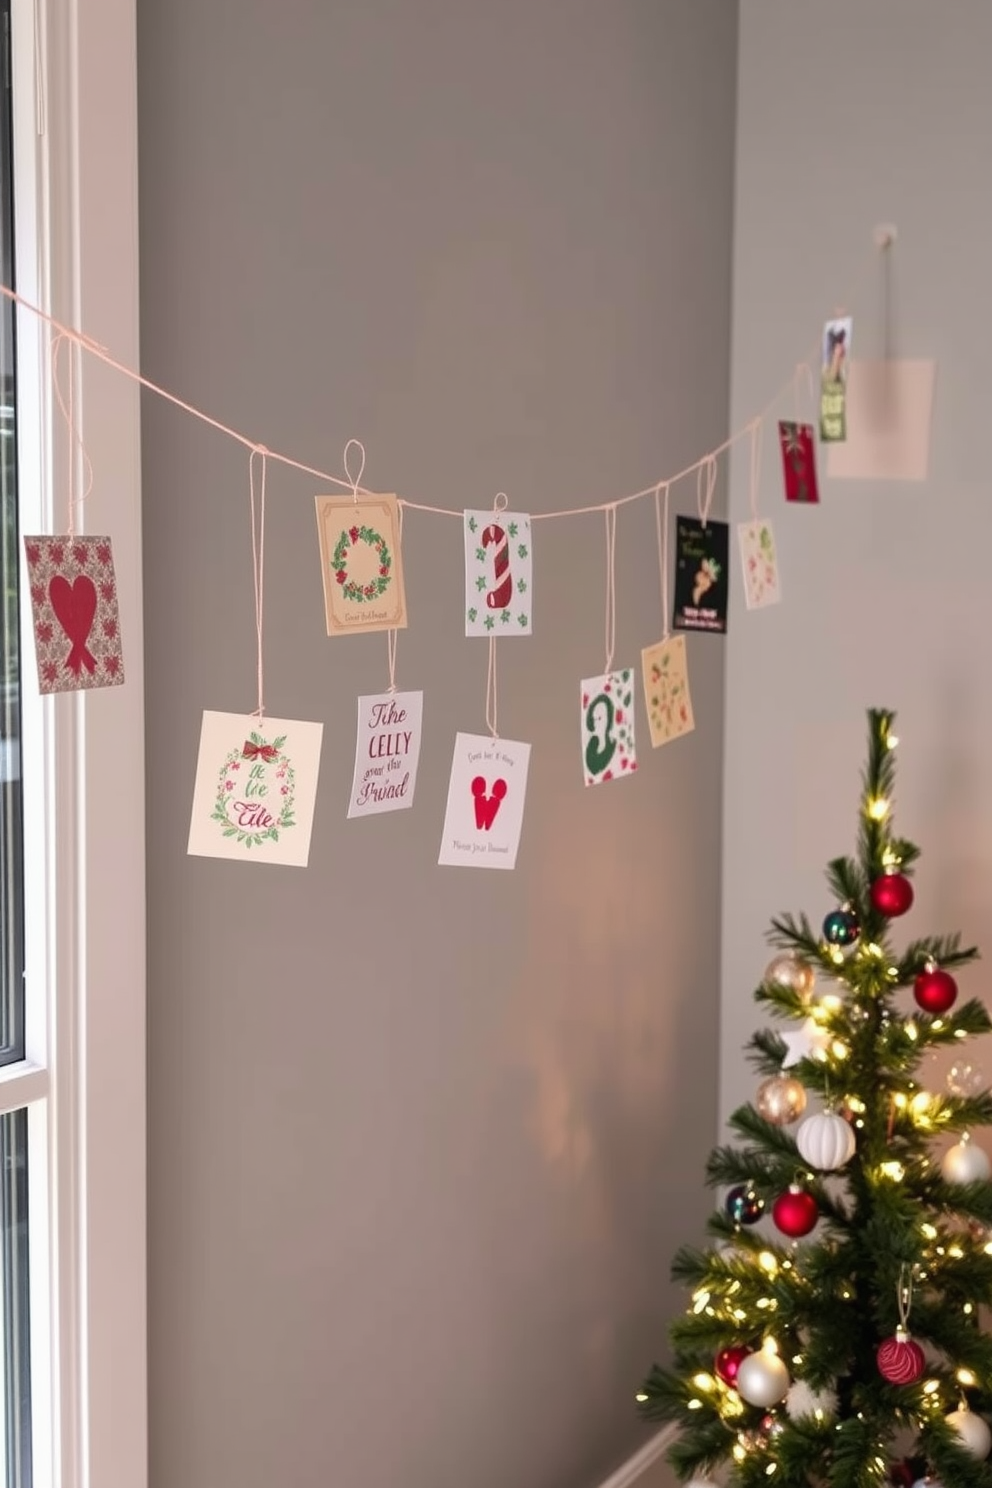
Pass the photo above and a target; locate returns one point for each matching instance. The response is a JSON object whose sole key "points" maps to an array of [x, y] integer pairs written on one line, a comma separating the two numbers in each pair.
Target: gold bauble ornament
{"points": [[780, 1099], [791, 972]]}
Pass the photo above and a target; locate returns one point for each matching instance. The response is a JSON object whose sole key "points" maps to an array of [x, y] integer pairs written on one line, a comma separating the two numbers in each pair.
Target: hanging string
{"points": [[706, 482], [756, 433], [67, 407], [258, 563], [491, 698], [103, 355], [391, 635], [904, 1294], [661, 527], [353, 480], [802, 382], [611, 585]]}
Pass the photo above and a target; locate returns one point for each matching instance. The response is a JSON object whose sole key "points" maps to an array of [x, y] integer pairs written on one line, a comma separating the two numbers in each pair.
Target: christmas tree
{"points": [[833, 1335]]}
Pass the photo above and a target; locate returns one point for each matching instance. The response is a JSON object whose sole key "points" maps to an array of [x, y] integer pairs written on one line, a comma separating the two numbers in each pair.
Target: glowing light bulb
{"points": [[893, 1170], [878, 808], [703, 1381]]}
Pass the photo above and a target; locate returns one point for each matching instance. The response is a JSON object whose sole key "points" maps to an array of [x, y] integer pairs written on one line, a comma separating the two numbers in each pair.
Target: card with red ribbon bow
{"points": [[77, 628]]}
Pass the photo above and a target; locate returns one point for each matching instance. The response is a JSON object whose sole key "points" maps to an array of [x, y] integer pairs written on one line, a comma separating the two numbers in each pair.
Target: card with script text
{"points": [[387, 753]]}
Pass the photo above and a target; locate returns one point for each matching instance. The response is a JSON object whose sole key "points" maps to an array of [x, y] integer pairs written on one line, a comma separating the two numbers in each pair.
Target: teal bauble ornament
{"points": [[841, 927]]}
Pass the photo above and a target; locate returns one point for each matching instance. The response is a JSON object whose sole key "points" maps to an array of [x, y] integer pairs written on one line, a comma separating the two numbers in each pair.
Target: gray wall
{"points": [[851, 115], [422, 1141]]}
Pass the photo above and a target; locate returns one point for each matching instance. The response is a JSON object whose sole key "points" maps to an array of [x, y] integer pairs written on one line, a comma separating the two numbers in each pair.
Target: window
{"points": [[73, 1411]]}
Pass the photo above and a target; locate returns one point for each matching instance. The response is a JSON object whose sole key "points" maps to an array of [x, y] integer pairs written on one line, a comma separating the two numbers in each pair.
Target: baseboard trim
{"points": [[627, 1475]]}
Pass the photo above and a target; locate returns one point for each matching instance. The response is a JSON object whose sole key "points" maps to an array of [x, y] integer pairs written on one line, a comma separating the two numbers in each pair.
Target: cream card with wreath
{"points": [[256, 784], [360, 563]]}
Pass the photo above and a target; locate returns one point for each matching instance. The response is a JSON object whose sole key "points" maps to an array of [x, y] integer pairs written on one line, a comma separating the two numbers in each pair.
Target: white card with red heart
{"points": [[485, 811], [77, 628], [256, 785]]}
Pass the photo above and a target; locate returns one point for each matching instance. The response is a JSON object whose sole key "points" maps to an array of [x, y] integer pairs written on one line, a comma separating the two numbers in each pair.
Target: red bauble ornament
{"points": [[892, 894], [935, 990], [900, 1360], [728, 1361], [795, 1212]]}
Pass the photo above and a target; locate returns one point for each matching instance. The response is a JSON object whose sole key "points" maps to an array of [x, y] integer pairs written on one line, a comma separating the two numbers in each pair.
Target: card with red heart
{"points": [[485, 809], [77, 628]]}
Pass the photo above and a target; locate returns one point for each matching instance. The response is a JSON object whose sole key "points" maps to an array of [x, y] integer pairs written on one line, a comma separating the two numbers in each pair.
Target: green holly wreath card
{"points": [[360, 563]]}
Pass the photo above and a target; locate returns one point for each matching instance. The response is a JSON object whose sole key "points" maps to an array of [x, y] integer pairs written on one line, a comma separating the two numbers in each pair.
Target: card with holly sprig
{"points": [[499, 574], [361, 563], [759, 561], [609, 751], [77, 628], [256, 785], [665, 669], [798, 445]]}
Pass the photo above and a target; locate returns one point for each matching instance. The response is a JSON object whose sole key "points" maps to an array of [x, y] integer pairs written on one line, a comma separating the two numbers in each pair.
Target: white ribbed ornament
{"points": [[825, 1141]]}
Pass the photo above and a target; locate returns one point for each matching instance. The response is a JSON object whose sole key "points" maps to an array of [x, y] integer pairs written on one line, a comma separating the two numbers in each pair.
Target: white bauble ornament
{"points": [[965, 1163], [762, 1378], [973, 1431], [825, 1141], [803, 1402], [928, 1483]]}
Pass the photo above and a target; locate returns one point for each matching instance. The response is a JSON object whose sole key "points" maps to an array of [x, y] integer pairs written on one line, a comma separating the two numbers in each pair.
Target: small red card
{"points": [[799, 462], [77, 629]]}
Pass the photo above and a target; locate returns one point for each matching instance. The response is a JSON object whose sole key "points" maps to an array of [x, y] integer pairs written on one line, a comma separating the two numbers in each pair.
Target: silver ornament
{"points": [[790, 972], [780, 1099], [762, 1378], [965, 1163], [963, 1079], [973, 1431]]}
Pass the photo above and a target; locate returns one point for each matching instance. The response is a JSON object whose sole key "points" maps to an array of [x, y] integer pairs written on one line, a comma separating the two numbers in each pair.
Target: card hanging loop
{"points": [[610, 513], [258, 563], [705, 486], [491, 699], [755, 479], [500, 501], [391, 635], [802, 382], [661, 527], [67, 408], [354, 480]]}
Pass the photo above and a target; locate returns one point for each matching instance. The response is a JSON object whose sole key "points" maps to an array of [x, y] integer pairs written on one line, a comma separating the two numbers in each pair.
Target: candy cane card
{"points": [[485, 810], [77, 629], [498, 574], [387, 753], [256, 784], [607, 726], [360, 563]]}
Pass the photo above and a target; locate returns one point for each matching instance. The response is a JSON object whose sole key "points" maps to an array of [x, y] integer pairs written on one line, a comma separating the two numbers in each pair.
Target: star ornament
{"points": [[808, 1042]]}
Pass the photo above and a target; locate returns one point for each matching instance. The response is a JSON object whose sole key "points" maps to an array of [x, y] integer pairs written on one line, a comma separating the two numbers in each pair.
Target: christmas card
{"points": [[387, 753], [606, 720], [833, 379], [361, 563], [498, 574], [77, 629], [485, 810], [760, 564], [701, 550], [666, 690], [256, 784], [798, 461]]}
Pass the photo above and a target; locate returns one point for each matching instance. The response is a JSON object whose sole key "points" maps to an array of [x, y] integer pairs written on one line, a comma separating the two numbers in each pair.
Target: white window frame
{"points": [[83, 1077]]}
